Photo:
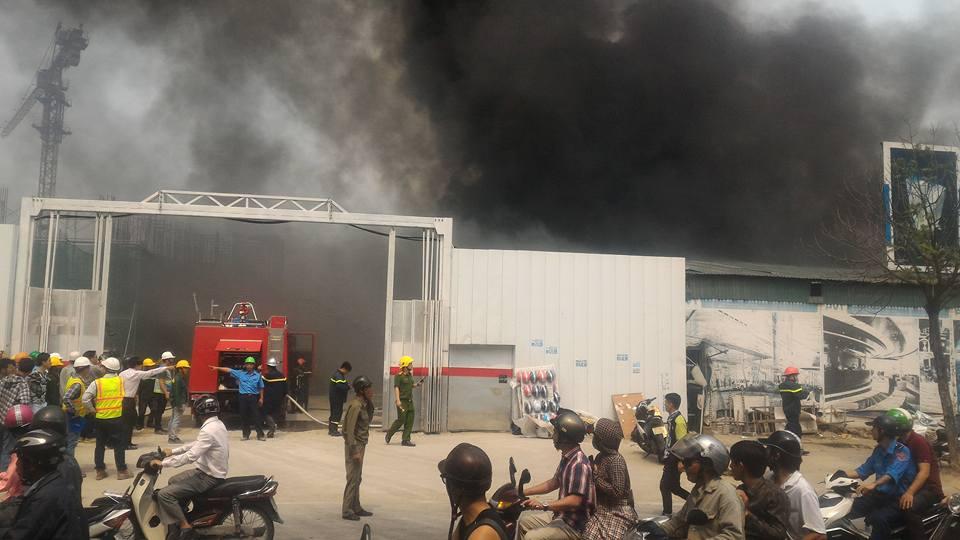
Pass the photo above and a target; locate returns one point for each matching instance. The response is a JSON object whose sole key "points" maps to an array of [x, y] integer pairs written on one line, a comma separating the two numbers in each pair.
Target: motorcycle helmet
{"points": [[784, 441], [467, 466], [551, 406], [525, 376], [541, 376], [704, 447], [550, 376], [533, 376], [903, 419], [18, 418], [51, 418], [361, 383], [536, 406], [556, 398], [568, 426], [206, 405], [887, 425], [527, 390], [527, 408], [39, 451]]}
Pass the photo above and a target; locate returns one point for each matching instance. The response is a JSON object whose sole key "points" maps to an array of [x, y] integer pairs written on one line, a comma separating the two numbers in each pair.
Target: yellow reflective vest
{"points": [[77, 403], [109, 402]]}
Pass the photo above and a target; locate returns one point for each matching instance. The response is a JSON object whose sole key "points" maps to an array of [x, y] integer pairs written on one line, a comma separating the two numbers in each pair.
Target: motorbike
{"points": [[950, 526], [837, 502], [507, 499], [239, 507], [650, 432]]}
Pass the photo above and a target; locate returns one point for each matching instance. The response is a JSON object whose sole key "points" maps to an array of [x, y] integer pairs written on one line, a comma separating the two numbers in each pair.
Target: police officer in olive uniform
{"points": [[894, 470], [403, 386], [356, 433]]}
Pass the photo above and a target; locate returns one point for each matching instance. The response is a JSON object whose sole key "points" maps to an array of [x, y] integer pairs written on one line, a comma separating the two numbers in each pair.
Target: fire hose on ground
{"points": [[321, 422]]}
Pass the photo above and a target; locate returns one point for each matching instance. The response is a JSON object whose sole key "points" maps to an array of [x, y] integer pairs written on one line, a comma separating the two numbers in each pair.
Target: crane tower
{"points": [[50, 90]]}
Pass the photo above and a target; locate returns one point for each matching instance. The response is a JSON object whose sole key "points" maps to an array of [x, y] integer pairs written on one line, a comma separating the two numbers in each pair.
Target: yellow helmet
{"points": [[149, 362], [405, 361], [183, 363]]}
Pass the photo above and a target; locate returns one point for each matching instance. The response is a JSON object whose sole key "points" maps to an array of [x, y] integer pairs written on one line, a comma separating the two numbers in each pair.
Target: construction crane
{"points": [[50, 89]]}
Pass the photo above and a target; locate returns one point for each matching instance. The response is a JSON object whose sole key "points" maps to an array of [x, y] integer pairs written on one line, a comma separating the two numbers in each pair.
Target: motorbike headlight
{"points": [[953, 503]]}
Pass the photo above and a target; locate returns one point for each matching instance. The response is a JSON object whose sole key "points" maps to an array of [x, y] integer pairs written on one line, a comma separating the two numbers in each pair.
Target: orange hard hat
{"points": [[791, 371]]}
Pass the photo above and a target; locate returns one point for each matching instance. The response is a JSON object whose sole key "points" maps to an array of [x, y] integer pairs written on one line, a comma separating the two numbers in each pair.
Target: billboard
{"points": [[920, 198]]}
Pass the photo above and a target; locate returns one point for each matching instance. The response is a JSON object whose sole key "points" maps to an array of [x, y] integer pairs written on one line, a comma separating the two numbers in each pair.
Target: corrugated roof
{"points": [[752, 269]]}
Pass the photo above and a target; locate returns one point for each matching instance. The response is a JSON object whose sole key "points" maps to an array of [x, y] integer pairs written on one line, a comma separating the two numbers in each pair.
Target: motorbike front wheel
{"points": [[253, 517]]}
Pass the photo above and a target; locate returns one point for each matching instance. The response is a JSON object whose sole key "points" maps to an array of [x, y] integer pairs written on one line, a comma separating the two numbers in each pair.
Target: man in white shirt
{"points": [[131, 383], [786, 453], [210, 452]]}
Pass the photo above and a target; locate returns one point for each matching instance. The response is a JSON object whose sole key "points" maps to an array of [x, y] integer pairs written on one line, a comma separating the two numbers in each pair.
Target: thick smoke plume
{"points": [[648, 126]]}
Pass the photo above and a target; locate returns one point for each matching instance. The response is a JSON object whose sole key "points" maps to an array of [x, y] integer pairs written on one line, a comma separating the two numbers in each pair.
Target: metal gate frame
{"points": [[437, 253]]}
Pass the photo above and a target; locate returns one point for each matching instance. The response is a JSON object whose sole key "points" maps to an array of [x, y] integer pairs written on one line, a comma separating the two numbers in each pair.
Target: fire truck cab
{"points": [[228, 342]]}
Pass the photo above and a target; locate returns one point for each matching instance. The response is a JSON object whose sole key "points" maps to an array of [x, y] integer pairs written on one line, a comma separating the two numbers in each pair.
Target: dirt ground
{"points": [[402, 487]]}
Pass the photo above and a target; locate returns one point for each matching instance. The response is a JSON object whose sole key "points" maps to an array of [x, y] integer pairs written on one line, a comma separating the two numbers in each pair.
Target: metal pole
{"points": [[45, 302], [388, 320], [105, 277], [22, 281]]}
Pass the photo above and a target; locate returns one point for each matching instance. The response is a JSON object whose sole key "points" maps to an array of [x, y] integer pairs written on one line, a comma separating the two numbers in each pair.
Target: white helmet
{"points": [[83, 361], [111, 364], [74, 355], [272, 362], [167, 355]]}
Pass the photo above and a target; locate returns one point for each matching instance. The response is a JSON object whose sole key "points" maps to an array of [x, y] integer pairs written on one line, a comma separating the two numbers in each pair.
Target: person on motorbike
{"points": [[676, 430], [615, 514], [50, 508], [574, 479], [785, 454], [893, 467], [767, 509], [52, 418], [704, 459], [211, 453], [467, 474], [925, 490]]}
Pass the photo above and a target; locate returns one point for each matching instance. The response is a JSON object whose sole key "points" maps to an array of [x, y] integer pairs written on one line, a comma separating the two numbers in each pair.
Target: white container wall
{"points": [[610, 324]]}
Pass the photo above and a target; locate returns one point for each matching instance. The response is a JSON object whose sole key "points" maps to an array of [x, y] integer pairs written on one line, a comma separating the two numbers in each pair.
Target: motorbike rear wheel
{"points": [[253, 517]]}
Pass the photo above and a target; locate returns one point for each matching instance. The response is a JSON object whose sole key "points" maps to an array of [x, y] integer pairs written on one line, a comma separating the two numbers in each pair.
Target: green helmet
{"points": [[249, 360], [903, 419]]}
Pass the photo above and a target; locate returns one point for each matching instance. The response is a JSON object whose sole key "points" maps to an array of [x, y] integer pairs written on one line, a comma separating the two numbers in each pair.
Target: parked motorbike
{"points": [[650, 432], [837, 502], [239, 507], [507, 498]]}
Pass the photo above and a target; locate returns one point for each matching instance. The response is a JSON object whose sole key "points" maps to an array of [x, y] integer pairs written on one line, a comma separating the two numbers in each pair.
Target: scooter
{"points": [[507, 499], [650, 433], [950, 526], [837, 502], [239, 507]]}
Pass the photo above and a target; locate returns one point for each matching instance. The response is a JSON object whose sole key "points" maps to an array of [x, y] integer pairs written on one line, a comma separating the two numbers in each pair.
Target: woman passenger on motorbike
{"points": [[615, 514]]}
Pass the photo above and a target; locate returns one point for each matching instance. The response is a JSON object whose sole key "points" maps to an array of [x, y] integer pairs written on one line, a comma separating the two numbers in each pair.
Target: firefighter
{"points": [[403, 386], [274, 395], [250, 385], [356, 433], [301, 374], [792, 393], [338, 396]]}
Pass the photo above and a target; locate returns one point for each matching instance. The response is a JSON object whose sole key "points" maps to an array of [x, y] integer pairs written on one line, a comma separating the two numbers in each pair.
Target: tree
{"points": [[904, 231]]}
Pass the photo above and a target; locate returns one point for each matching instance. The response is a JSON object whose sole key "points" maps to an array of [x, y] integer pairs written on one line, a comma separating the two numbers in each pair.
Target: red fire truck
{"points": [[228, 342]]}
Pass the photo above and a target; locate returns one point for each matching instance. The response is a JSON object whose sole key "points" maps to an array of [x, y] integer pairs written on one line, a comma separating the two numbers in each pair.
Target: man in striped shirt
{"points": [[574, 479]]}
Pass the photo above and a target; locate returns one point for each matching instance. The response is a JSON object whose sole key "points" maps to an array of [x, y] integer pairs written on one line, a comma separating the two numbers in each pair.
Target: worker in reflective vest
{"points": [[74, 388], [104, 397]]}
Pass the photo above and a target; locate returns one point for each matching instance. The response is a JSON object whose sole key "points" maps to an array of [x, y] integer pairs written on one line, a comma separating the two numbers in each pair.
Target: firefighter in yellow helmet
{"points": [[403, 386]]}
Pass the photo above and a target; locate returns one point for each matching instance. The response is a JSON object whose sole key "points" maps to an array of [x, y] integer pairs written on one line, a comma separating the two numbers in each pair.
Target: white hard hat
{"points": [[83, 361], [167, 356], [111, 364], [272, 362], [55, 355], [74, 355]]}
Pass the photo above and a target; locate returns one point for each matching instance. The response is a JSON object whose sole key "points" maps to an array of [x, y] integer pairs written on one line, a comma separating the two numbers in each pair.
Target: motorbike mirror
{"points": [[524, 479], [697, 517], [513, 472], [367, 533]]}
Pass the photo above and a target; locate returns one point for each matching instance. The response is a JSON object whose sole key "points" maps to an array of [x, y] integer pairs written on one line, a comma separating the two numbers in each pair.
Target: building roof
{"points": [[752, 269]]}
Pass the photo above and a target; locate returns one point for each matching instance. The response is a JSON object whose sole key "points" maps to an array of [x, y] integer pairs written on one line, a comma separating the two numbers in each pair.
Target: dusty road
{"points": [[401, 486]]}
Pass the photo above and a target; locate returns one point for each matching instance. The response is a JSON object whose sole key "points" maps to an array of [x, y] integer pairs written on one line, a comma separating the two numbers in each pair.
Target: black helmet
{"points": [[467, 466], [206, 405], [569, 427], [361, 383], [40, 446], [51, 418], [785, 441], [887, 425]]}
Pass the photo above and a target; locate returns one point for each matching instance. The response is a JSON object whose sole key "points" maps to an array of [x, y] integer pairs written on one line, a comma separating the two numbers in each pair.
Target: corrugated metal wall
{"points": [[609, 323]]}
